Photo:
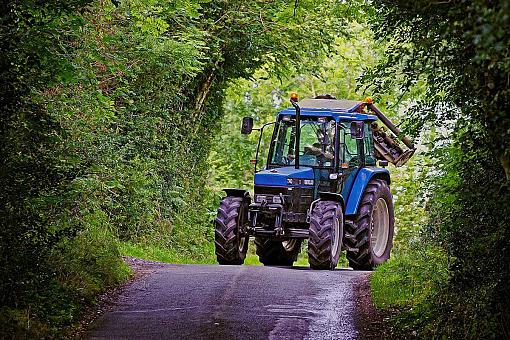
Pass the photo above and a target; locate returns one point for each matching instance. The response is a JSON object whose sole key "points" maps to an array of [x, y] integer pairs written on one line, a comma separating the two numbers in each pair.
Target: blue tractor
{"points": [[320, 183]]}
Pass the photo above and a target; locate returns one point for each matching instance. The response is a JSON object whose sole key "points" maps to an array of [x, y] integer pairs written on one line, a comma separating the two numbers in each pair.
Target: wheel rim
{"points": [[289, 245], [335, 243], [380, 227], [242, 241]]}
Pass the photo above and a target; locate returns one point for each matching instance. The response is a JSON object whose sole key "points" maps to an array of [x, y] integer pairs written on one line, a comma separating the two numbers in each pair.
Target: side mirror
{"points": [[247, 126], [357, 130]]}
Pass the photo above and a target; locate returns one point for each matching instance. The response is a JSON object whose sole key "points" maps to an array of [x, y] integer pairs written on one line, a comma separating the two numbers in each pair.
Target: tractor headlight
{"points": [[277, 199], [260, 198]]}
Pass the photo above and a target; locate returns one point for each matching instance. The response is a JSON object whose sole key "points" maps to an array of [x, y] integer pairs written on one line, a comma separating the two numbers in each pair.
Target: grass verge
{"points": [[163, 254], [408, 287], [82, 268]]}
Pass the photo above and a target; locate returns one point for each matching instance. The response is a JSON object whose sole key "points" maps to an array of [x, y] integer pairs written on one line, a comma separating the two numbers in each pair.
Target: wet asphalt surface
{"points": [[233, 302]]}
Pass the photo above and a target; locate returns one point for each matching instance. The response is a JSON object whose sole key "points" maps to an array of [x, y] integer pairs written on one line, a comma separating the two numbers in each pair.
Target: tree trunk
{"points": [[205, 89], [203, 92], [505, 163]]}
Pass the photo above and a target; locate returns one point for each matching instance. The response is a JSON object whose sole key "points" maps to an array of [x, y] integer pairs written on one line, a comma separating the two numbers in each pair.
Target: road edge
{"points": [[370, 322], [106, 301]]}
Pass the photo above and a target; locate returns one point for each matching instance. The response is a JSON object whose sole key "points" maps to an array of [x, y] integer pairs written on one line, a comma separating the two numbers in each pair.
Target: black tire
{"points": [[363, 251], [230, 245], [277, 253], [325, 240]]}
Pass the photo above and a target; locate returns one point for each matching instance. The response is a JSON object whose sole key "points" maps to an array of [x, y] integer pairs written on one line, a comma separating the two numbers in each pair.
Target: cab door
{"points": [[350, 155]]}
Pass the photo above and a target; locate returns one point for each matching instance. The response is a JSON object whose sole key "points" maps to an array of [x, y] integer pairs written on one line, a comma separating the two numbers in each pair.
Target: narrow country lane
{"points": [[233, 302]]}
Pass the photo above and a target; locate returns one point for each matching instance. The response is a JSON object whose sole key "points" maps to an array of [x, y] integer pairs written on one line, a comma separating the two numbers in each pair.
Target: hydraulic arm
{"points": [[386, 142]]}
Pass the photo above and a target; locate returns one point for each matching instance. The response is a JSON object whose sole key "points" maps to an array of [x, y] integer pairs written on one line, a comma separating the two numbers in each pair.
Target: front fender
{"points": [[237, 192], [364, 176], [331, 196]]}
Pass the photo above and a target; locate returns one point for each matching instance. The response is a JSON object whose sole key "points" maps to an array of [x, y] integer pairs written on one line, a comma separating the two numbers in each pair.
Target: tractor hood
{"points": [[281, 176]]}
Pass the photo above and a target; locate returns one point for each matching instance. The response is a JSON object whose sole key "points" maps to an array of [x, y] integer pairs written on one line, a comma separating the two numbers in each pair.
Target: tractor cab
{"points": [[335, 141]]}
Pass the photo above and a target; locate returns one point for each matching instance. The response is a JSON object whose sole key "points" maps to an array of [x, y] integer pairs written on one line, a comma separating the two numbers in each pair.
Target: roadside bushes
{"points": [[108, 113], [470, 212], [412, 278], [453, 282], [458, 53]]}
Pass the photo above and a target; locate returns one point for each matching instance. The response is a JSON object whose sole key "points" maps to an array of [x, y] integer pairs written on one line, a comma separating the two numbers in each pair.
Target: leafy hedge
{"points": [[459, 52], [108, 113]]}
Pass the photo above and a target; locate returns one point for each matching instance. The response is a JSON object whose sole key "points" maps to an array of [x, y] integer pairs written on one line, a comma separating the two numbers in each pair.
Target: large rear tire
{"points": [[277, 253], [369, 238], [230, 244], [325, 240]]}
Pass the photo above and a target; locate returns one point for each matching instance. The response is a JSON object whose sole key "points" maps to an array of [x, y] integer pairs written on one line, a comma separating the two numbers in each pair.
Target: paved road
{"points": [[233, 302]]}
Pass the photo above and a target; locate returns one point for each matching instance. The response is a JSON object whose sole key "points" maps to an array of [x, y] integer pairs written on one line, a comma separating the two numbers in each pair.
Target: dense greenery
{"points": [[460, 50], [108, 113], [120, 125]]}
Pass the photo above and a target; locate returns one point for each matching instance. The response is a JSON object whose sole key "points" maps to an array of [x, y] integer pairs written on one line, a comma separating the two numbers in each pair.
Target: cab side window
{"points": [[369, 146], [348, 146]]}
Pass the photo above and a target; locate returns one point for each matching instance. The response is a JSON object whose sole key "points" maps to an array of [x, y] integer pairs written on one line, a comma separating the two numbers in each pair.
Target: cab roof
{"points": [[338, 109]]}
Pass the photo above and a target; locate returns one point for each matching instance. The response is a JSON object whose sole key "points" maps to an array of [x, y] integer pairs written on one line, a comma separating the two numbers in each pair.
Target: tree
{"points": [[459, 50], [108, 111]]}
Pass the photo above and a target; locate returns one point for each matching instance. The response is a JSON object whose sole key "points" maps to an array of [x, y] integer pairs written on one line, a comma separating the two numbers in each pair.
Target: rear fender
{"points": [[364, 176]]}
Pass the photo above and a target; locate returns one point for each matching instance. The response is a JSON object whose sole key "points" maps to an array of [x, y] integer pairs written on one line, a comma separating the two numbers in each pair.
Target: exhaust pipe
{"points": [[293, 101]]}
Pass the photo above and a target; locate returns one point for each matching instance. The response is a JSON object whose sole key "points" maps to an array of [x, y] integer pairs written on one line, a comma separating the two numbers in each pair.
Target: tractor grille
{"points": [[297, 200]]}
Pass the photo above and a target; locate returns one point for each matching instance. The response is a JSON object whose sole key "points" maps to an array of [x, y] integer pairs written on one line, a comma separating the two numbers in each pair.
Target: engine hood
{"points": [[279, 176]]}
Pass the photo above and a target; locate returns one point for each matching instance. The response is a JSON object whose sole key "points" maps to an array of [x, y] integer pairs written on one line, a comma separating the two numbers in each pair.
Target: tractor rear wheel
{"points": [[369, 238], [325, 240], [277, 253], [230, 243]]}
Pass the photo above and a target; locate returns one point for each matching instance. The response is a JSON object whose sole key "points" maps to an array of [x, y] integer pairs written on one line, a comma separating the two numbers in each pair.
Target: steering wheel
{"points": [[287, 159]]}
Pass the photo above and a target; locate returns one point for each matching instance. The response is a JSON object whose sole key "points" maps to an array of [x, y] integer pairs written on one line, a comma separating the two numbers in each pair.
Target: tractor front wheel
{"points": [[277, 253], [230, 243], [326, 230], [369, 238]]}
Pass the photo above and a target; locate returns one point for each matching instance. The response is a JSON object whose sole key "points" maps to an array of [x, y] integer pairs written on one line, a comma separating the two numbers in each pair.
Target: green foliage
{"points": [[408, 282], [409, 195], [33, 194], [471, 224], [168, 254], [108, 115], [458, 52], [467, 294], [82, 267]]}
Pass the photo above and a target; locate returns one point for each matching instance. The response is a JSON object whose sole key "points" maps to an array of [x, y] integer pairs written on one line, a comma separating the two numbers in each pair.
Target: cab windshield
{"points": [[316, 147]]}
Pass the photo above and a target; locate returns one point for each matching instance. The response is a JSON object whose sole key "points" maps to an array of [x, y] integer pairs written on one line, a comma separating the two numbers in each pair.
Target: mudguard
{"points": [[331, 196], [360, 183], [237, 192]]}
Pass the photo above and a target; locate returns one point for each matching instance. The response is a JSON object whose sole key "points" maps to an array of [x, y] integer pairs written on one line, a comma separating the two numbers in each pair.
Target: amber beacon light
{"points": [[294, 97]]}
